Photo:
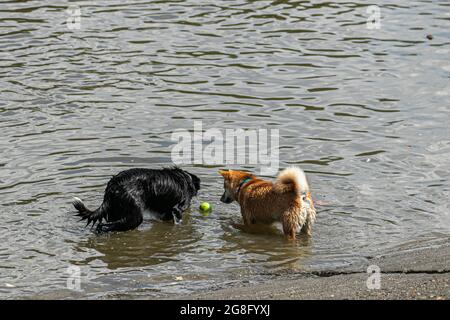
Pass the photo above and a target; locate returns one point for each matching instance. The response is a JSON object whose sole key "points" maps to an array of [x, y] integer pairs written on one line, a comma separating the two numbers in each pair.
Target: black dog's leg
{"points": [[124, 224], [184, 204], [111, 226], [177, 212]]}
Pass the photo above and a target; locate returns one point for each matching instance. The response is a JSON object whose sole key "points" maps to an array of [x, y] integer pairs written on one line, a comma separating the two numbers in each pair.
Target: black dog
{"points": [[164, 194]]}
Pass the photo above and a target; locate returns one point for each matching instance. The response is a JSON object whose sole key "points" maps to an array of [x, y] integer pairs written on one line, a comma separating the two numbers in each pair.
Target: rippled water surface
{"points": [[364, 112]]}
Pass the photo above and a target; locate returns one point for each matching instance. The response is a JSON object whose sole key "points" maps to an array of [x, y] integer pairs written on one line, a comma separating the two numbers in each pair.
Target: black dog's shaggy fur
{"points": [[165, 193]]}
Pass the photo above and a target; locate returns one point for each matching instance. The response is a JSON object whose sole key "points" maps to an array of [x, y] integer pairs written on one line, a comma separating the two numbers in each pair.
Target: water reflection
{"points": [[153, 243], [250, 243]]}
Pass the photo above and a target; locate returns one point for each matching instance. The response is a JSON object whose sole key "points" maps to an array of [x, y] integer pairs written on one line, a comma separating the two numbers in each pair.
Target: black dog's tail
{"points": [[85, 213]]}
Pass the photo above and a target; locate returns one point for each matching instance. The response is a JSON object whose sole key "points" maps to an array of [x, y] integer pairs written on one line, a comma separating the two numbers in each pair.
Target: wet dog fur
{"points": [[287, 200], [163, 193]]}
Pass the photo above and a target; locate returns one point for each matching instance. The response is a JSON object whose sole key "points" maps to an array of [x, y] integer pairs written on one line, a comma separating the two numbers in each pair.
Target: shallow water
{"points": [[364, 112]]}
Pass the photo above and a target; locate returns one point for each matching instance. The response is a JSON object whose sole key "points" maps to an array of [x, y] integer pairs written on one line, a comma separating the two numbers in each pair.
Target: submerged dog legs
{"points": [[124, 224], [177, 213]]}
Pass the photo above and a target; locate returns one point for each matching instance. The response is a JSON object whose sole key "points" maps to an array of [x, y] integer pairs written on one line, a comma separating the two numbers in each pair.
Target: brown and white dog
{"points": [[287, 200]]}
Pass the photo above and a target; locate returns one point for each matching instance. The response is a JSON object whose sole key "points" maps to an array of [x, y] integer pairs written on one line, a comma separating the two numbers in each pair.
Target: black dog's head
{"points": [[195, 182]]}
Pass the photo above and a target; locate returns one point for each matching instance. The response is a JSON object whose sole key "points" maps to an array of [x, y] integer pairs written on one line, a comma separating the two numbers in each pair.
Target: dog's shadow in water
{"points": [[151, 244]]}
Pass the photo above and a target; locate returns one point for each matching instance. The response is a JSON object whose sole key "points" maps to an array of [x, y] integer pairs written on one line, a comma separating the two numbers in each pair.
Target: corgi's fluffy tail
{"points": [[292, 179], [86, 214]]}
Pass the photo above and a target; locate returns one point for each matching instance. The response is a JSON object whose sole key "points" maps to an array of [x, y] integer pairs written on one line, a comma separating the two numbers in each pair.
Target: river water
{"points": [[364, 111]]}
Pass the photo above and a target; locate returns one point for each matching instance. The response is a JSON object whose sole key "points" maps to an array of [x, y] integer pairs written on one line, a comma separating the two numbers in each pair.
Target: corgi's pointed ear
{"points": [[225, 173]]}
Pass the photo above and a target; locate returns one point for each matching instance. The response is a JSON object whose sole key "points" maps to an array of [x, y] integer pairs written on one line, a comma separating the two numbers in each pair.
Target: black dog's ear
{"points": [[195, 181]]}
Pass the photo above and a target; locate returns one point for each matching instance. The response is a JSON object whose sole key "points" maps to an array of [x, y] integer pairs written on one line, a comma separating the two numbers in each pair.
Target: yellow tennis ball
{"points": [[205, 206]]}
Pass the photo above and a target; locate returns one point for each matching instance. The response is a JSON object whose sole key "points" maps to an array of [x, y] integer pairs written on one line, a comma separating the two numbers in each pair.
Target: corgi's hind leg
{"points": [[307, 228], [289, 226], [293, 220], [310, 219]]}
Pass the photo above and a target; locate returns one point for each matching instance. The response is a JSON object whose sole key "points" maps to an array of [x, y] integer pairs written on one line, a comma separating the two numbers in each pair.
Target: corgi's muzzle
{"points": [[225, 198]]}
